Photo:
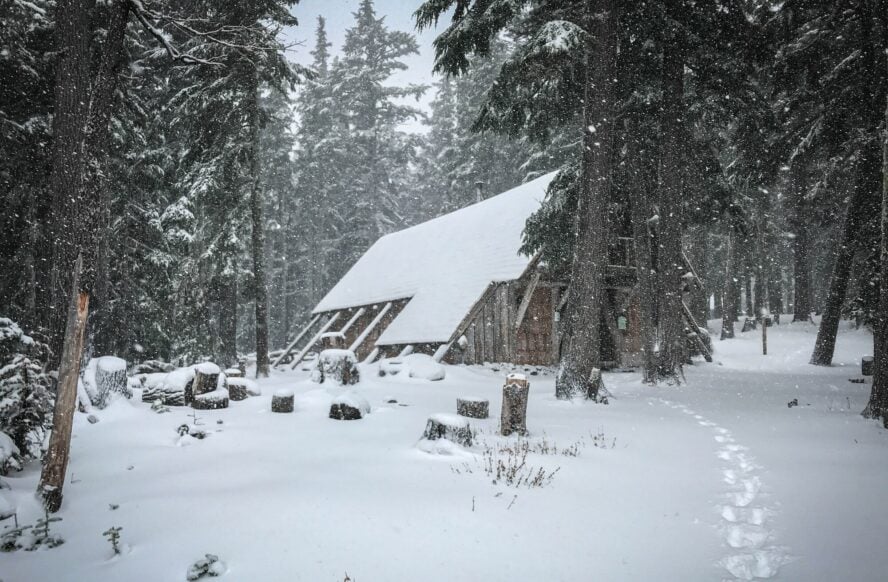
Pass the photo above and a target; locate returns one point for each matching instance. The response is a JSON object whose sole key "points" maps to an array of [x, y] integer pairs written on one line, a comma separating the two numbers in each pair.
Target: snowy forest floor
{"points": [[715, 480]]}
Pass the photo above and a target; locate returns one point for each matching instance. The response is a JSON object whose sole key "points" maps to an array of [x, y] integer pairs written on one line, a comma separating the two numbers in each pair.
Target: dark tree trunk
{"points": [[729, 293], [258, 238], [862, 205], [590, 244], [96, 188], [877, 407], [801, 247], [69, 214], [641, 212], [228, 322], [673, 345]]}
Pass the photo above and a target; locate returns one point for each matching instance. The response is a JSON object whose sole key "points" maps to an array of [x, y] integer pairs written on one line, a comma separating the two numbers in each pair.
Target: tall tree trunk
{"points": [[801, 246], [641, 213], [877, 407], [590, 243], [258, 237], [228, 321], [673, 343], [69, 127], [729, 293], [96, 188], [862, 205]]}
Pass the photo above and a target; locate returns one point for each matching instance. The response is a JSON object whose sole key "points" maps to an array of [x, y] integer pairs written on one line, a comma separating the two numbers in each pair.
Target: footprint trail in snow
{"points": [[744, 518]]}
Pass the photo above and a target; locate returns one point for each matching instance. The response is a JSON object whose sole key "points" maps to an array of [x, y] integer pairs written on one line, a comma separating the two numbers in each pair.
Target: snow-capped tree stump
{"points": [[349, 406], [473, 407], [866, 365], [214, 400], [452, 427], [237, 389], [206, 380], [282, 400], [514, 413], [234, 373], [110, 379], [340, 366]]}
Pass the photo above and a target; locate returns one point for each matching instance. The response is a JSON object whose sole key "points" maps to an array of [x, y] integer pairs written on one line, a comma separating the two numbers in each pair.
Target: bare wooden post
{"points": [[52, 479], [514, 413]]}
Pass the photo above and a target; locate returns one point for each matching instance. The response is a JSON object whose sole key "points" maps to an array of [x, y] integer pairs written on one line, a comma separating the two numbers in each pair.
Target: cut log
{"points": [[234, 373], [452, 427], [514, 413], [206, 380], [349, 406], [110, 379], [473, 407], [214, 400], [340, 366], [282, 400], [242, 388], [866, 365]]}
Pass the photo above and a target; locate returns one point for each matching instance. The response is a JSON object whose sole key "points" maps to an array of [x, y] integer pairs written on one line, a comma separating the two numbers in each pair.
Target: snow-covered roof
{"points": [[443, 265]]}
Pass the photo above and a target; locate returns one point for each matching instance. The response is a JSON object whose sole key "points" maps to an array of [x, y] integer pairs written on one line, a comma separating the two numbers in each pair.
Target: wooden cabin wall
{"points": [[358, 327], [492, 337]]}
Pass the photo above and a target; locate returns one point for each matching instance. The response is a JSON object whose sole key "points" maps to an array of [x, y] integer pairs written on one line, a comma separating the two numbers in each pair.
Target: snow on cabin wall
{"points": [[444, 265]]}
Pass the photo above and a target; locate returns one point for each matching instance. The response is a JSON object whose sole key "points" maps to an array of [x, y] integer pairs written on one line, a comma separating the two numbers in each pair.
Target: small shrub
{"points": [[113, 535]]}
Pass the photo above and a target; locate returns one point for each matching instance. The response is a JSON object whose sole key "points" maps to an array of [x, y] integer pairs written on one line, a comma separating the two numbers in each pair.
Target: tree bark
{"points": [[258, 238], [69, 213], [673, 344], [590, 243], [52, 478], [861, 206]]}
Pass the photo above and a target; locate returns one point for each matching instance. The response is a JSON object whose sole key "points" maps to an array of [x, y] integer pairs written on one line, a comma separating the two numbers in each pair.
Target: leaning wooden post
{"points": [[56, 462], [514, 414]]}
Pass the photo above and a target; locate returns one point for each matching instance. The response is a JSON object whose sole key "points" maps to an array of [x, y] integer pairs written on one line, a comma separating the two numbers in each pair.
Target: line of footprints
{"points": [[744, 519]]}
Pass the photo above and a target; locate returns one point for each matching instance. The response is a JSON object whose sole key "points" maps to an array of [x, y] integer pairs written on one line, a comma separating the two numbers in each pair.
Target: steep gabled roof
{"points": [[444, 265]]}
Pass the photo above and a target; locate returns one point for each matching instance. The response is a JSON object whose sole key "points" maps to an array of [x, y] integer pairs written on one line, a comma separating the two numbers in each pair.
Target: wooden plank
{"points": [[314, 340], [371, 356], [360, 339], [293, 343], [525, 301], [441, 352], [490, 334], [351, 321], [470, 345], [408, 349], [555, 302]]}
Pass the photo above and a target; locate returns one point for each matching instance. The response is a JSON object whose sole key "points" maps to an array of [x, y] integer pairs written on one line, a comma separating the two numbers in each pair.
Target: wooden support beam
{"points": [[442, 351], [707, 355], [369, 359], [693, 272], [351, 321], [314, 340], [293, 343], [525, 301], [408, 349], [360, 339]]}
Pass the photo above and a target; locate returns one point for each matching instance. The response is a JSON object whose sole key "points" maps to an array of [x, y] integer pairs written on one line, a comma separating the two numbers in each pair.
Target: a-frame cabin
{"points": [[456, 287]]}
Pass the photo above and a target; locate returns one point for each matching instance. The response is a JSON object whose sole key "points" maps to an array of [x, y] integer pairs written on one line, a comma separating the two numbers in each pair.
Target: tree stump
{"points": [[452, 427], [514, 413], [282, 400], [234, 373], [237, 389], [206, 380], [340, 366], [866, 365], [110, 379], [473, 407], [214, 400], [349, 406]]}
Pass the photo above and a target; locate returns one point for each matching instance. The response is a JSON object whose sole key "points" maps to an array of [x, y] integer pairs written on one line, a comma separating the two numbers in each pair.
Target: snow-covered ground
{"points": [[715, 480]]}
